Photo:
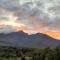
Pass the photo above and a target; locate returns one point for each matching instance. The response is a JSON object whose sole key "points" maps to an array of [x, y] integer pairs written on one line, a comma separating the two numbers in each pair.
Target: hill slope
{"points": [[21, 39]]}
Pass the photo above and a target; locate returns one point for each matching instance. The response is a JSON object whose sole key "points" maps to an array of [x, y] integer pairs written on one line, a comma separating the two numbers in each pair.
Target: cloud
{"points": [[33, 15]]}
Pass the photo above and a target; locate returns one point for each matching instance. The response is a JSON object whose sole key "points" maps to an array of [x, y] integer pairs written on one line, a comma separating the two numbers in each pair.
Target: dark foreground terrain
{"points": [[11, 53]]}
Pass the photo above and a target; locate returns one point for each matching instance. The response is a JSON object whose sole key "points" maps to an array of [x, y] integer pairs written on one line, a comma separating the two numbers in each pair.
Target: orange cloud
{"points": [[55, 35]]}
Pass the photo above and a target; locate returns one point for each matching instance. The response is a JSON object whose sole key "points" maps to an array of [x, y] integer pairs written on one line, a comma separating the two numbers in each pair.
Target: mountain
{"points": [[22, 39]]}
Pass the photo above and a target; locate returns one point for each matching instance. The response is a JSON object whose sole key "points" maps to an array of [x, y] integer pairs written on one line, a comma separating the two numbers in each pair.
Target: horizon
{"points": [[53, 35], [31, 16]]}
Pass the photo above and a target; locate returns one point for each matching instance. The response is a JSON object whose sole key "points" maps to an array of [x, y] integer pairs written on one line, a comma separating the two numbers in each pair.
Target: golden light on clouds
{"points": [[12, 21], [31, 16], [18, 26], [55, 35]]}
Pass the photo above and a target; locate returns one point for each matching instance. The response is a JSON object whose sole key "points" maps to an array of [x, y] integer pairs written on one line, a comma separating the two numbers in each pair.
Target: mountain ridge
{"points": [[22, 39]]}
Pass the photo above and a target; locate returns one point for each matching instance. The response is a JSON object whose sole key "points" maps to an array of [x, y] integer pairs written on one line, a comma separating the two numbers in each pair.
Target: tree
{"points": [[57, 53], [23, 58]]}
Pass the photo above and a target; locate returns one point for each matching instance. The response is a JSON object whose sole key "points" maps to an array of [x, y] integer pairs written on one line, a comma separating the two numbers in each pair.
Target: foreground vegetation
{"points": [[10, 53]]}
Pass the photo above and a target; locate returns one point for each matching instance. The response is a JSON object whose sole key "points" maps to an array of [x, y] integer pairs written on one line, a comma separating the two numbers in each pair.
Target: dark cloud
{"points": [[6, 29]]}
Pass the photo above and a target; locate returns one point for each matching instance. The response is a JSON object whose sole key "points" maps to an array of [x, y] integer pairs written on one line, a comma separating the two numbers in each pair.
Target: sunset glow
{"points": [[55, 35], [30, 16]]}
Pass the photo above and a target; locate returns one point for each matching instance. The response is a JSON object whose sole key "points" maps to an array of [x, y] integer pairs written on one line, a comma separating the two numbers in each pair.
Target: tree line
{"points": [[30, 53]]}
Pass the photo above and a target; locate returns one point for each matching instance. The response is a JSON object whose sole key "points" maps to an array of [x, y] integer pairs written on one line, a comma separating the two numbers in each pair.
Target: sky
{"points": [[31, 16]]}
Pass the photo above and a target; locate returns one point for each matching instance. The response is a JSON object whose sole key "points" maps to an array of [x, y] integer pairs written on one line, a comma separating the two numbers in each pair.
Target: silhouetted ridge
{"points": [[22, 39]]}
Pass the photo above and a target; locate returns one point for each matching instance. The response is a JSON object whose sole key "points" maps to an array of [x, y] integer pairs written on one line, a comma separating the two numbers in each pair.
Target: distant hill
{"points": [[22, 39]]}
